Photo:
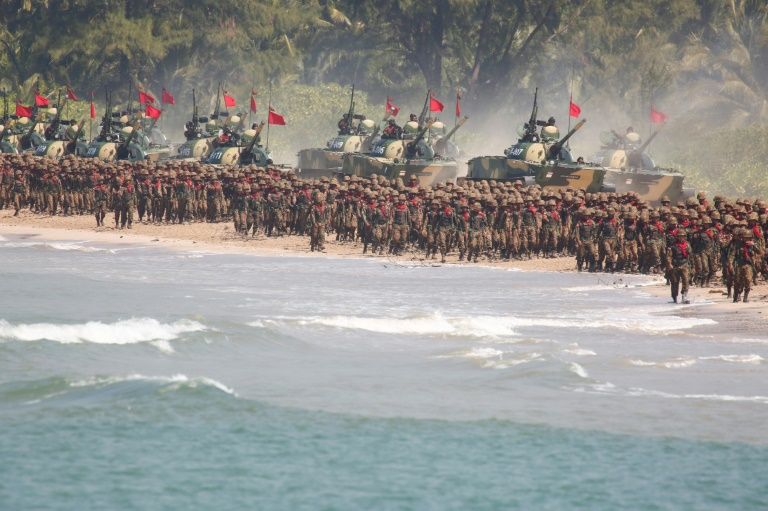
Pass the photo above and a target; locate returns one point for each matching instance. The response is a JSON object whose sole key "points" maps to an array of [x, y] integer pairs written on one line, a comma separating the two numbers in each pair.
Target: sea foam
{"points": [[498, 326], [127, 331], [175, 381]]}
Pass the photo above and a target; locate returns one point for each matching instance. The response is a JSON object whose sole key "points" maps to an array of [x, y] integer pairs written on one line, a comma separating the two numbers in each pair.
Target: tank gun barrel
{"points": [[351, 113], [648, 142], [195, 118], [411, 149], [459, 124], [107, 120], [60, 108], [124, 146], [425, 109], [530, 126], [252, 143], [31, 128], [555, 149], [217, 110], [80, 129]]}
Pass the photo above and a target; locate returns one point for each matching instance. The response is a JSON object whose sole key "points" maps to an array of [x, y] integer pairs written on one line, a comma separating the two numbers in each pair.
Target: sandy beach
{"points": [[221, 238]]}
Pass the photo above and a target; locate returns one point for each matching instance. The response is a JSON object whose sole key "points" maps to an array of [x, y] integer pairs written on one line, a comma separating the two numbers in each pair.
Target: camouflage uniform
{"points": [[679, 256], [586, 235]]}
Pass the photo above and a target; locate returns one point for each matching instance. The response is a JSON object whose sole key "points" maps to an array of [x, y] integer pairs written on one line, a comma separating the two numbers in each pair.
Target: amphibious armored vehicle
{"points": [[540, 158], [356, 133], [630, 169], [402, 158]]}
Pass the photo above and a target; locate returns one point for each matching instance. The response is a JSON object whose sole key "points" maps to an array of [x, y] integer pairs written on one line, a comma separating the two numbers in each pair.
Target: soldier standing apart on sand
{"points": [[586, 234], [317, 225], [742, 264], [128, 199], [679, 258], [100, 197]]}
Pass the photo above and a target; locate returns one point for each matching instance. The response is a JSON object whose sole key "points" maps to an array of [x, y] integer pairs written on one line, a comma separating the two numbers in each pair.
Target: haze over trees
{"points": [[703, 62]]}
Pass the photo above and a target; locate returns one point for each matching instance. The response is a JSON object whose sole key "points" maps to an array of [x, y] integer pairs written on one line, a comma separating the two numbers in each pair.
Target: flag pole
{"points": [[650, 121], [269, 110], [250, 110], [455, 110], [90, 121], [570, 101]]}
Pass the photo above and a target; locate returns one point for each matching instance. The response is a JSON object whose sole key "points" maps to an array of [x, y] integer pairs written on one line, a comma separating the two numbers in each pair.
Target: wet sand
{"points": [[221, 238]]}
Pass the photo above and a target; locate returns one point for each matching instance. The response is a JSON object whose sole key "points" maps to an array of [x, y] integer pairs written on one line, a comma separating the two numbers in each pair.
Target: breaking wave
{"points": [[57, 245], [682, 362], [175, 381], [127, 331], [493, 326], [104, 388]]}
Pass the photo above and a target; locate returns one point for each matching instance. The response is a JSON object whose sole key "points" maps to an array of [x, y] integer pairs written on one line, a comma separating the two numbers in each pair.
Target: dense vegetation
{"points": [[703, 62]]}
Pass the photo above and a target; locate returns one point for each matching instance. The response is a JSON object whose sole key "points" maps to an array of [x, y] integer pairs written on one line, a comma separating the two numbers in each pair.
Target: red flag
{"points": [[93, 109], [23, 111], [229, 101], [275, 118], [434, 104], [391, 108], [152, 112], [40, 101], [253, 101], [167, 98], [458, 105], [657, 117], [574, 110], [71, 94], [145, 98]]}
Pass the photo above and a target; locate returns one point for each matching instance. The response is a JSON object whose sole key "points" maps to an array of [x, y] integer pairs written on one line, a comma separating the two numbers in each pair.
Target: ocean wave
{"points": [[752, 358], [683, 362], [496, 326], [56, 245], [677, 363], [175, 381], [616, 284], [95, 389], [609, 388], [508, 362], [578, 370], [574, 349], [435, 324], [636, 391], [127, 331]]}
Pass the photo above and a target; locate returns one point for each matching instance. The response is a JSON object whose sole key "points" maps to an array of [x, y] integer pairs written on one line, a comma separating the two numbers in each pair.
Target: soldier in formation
{"points": [[691, 242]]}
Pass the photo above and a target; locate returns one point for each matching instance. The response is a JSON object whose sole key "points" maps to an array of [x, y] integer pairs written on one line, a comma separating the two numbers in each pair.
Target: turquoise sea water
{"points": [[134, 378]]}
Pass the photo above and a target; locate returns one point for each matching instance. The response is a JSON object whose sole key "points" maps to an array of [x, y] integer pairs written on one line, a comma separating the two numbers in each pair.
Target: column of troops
{"points": [[691, 242]]}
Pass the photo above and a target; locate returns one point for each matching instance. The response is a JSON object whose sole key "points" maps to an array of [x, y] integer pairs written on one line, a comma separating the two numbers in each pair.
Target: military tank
{"points": [[540, 158], [199, 133], [30, 133], [405, 158], [61, 137], [9, 138], [127, 136], [356, 133], [65, 138], [242, 149], [630, 169]]}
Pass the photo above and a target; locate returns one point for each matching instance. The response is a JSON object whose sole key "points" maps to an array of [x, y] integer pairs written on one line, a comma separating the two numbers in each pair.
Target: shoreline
{"points": [[219, 238]]}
